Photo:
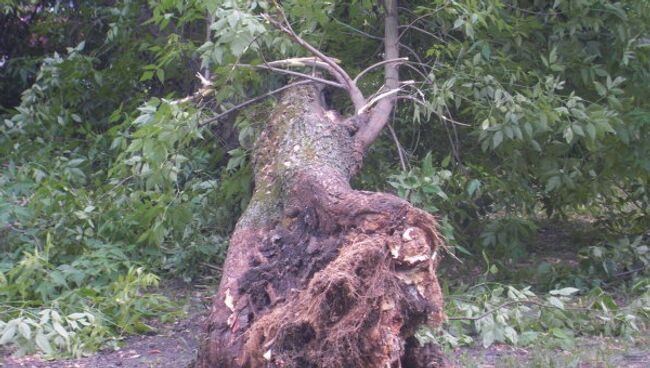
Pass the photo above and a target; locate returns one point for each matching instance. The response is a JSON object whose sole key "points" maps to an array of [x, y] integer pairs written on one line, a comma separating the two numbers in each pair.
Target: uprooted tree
{"points": [[319, 274], [112, 171]]}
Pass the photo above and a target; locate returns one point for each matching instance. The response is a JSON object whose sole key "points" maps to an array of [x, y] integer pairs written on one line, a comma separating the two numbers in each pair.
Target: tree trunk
{"points": [[319, 274]]}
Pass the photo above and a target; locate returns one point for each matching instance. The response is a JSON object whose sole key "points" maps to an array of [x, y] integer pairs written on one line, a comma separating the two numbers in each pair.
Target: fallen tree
{"points": [[319, 274]]}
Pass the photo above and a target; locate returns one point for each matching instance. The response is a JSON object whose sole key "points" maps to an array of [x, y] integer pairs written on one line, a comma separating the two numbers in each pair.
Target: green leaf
{"points": [[472, 186], [497, 138], [147, 75], [160, 74], [488, 338], [568, 134], [59, 329], [8, 333], [556, 302], [600, 89], [239, 44], [564, 291], [25, 330], [43, 343], [553, 183], [591, 130]]}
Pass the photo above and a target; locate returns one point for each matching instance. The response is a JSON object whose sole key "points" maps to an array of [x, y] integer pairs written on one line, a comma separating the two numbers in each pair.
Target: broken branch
{"points": [[252, 101]]}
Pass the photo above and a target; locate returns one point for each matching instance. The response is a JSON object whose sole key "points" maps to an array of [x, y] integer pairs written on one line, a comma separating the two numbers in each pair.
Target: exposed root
{"points": [[358, 310]]}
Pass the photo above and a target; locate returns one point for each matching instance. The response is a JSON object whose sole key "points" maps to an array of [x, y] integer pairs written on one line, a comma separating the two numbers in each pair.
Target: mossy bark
{"points": [[319, 274]]}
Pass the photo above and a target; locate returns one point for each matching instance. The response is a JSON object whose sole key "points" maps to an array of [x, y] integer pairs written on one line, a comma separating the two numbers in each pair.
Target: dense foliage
{"points": [[111, 176]]}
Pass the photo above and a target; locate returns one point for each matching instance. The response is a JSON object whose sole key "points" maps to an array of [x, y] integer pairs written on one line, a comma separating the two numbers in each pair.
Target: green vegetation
{"points": [[527, 118]]}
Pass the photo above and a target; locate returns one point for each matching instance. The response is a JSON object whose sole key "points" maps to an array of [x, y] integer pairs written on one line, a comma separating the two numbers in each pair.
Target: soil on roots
{"points": [[350, 300]]}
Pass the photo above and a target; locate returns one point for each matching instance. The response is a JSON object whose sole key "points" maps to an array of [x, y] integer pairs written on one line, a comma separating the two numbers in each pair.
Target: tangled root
{"points": [[359, 310]]}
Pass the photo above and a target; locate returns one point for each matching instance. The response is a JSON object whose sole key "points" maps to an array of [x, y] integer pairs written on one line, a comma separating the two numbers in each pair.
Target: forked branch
{"points": [[341, 75], [378, 107], [380, 114]]}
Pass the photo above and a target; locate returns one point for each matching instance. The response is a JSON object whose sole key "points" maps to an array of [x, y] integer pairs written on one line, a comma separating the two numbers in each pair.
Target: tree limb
{"points": [[380, 113], [297, 74], [368, 35], [301, 62], [252, 101], [410, 26], [378, 98], [368, 69], [341, 76], [400, 148]]}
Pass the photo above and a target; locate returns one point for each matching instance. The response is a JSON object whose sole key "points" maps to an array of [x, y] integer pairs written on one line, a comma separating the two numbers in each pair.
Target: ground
{"points": [[592, 352], [174, 345]]}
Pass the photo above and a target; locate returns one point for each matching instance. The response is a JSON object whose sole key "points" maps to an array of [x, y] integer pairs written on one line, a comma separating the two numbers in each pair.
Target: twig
{"points": [[452, 120], [36, 240], [410, 26], [377, 98], [252, 101], [481, 316], [400, 150], [208, 36], [425, 77], [358, 30], [621, 274], [204, 91], [366, 70], [301, 62], [412, 52], [291, 72]]}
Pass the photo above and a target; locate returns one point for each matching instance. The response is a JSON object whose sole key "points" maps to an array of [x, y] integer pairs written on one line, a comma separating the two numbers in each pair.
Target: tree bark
{"points": [[319, 274]]}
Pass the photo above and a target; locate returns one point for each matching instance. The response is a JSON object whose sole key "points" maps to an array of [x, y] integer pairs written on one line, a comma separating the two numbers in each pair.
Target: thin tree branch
{"points": [[253, 100], [412, 52], [400, 149], [481, 316], [378, 98], [358, 30], [416, 28], [341, 76], [302, 62], [379, 115], [424, 76], [371, 67], [291, 72]]}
